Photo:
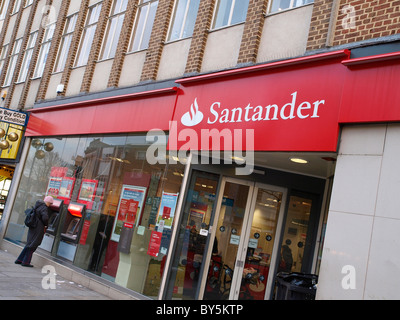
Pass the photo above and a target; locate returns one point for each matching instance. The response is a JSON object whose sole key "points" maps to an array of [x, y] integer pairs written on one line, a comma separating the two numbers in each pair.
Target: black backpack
{"points": [[31, 219]]}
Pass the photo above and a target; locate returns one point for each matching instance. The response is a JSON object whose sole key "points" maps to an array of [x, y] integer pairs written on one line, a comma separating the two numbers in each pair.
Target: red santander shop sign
{"points": [[291, 106]]}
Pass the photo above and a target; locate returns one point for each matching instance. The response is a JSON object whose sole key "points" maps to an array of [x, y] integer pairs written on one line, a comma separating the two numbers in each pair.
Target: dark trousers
{"points": [[26, 255]]}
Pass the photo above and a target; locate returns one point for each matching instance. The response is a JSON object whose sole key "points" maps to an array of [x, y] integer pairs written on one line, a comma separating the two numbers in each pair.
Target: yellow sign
{"points": [[10, 139]]}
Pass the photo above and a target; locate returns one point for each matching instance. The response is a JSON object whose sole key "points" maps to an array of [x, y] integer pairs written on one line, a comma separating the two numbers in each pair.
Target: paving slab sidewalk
{"points": [[24, 283]]}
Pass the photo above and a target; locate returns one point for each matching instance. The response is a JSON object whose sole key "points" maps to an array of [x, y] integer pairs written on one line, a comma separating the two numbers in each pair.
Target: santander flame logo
{"points": [[193, 117]]}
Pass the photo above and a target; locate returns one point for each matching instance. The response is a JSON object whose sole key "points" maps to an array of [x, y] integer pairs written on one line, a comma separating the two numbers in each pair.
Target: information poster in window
{"points": [[129, 209], [66, 187], [53, 188], [87, 192], [166, 212], [154, 243]]}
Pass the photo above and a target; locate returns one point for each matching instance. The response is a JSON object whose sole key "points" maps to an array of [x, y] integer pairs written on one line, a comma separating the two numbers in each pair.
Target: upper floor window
{"points": [[44, 50], [144, 23], [88, 35], [65, 42], [184, 18], [279, 5], [17, 5], [230, 12], [114, 28], [27, 57], [12, 62], [3, 9], [3, 56]]}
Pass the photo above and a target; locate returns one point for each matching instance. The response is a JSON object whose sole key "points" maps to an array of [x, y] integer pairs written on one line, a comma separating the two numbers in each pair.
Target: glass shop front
{"points": [[117, 216], [113, 212]]}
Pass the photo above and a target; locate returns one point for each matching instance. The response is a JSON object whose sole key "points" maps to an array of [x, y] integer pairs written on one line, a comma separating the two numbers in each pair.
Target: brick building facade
{"points": [[332, 23], [97, 75]]}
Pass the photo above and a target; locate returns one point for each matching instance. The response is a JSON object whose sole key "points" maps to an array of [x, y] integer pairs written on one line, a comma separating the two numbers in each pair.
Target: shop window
{"points": [[184, 18], [123, 233], [114, 28], [279, 5], [230, 12], [4, 188], [65, 42], [88, 35], [184, 279], [143, 25]]}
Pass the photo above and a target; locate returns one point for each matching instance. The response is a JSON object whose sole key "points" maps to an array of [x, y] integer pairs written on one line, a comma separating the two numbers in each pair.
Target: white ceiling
{"points": [[319, 164]]}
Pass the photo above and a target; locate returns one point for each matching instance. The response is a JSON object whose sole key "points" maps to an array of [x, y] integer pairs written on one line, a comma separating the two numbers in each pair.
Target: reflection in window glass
{"points": [[130, 205], [183, 282], [295, 235]]}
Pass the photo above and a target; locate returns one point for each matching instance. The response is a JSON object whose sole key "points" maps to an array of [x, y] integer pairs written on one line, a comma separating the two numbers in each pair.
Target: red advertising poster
{"points": [[85, 231], [154, 244], [129, 209], [166, 212]]}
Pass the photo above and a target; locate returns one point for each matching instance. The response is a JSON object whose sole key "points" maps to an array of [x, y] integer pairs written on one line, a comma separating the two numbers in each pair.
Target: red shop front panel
{"points": [[291, 105], [130, 113]]}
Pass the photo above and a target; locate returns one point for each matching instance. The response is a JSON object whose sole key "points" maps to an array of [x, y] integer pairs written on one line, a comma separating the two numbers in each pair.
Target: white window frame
{"points": [[3, 56], [141, 45], [114, 27], [231, 11], [66, 40], [182, 24], [44, 50], [27, 57], [292, 4], [28, 3], [3, 9], [88, 34], [17, 6], [12, 62]]}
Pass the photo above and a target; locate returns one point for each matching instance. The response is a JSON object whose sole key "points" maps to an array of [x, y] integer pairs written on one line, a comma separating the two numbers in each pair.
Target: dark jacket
{"points": [[35, 235]]}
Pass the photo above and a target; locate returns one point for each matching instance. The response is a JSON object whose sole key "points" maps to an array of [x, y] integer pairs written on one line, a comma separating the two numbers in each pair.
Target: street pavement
{"points": [[24, 283]]}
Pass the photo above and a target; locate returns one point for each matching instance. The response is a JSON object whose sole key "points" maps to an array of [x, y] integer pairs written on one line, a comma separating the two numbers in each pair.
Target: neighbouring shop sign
{"points": [[12, 127], [13, 116]]}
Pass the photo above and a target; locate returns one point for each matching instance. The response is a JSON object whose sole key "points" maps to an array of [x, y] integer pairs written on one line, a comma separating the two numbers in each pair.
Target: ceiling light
{"points": [[238, 160], [298, 160]]}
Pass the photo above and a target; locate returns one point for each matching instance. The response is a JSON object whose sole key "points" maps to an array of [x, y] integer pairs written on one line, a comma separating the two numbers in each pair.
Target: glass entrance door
{"points": [[247, 221]]}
